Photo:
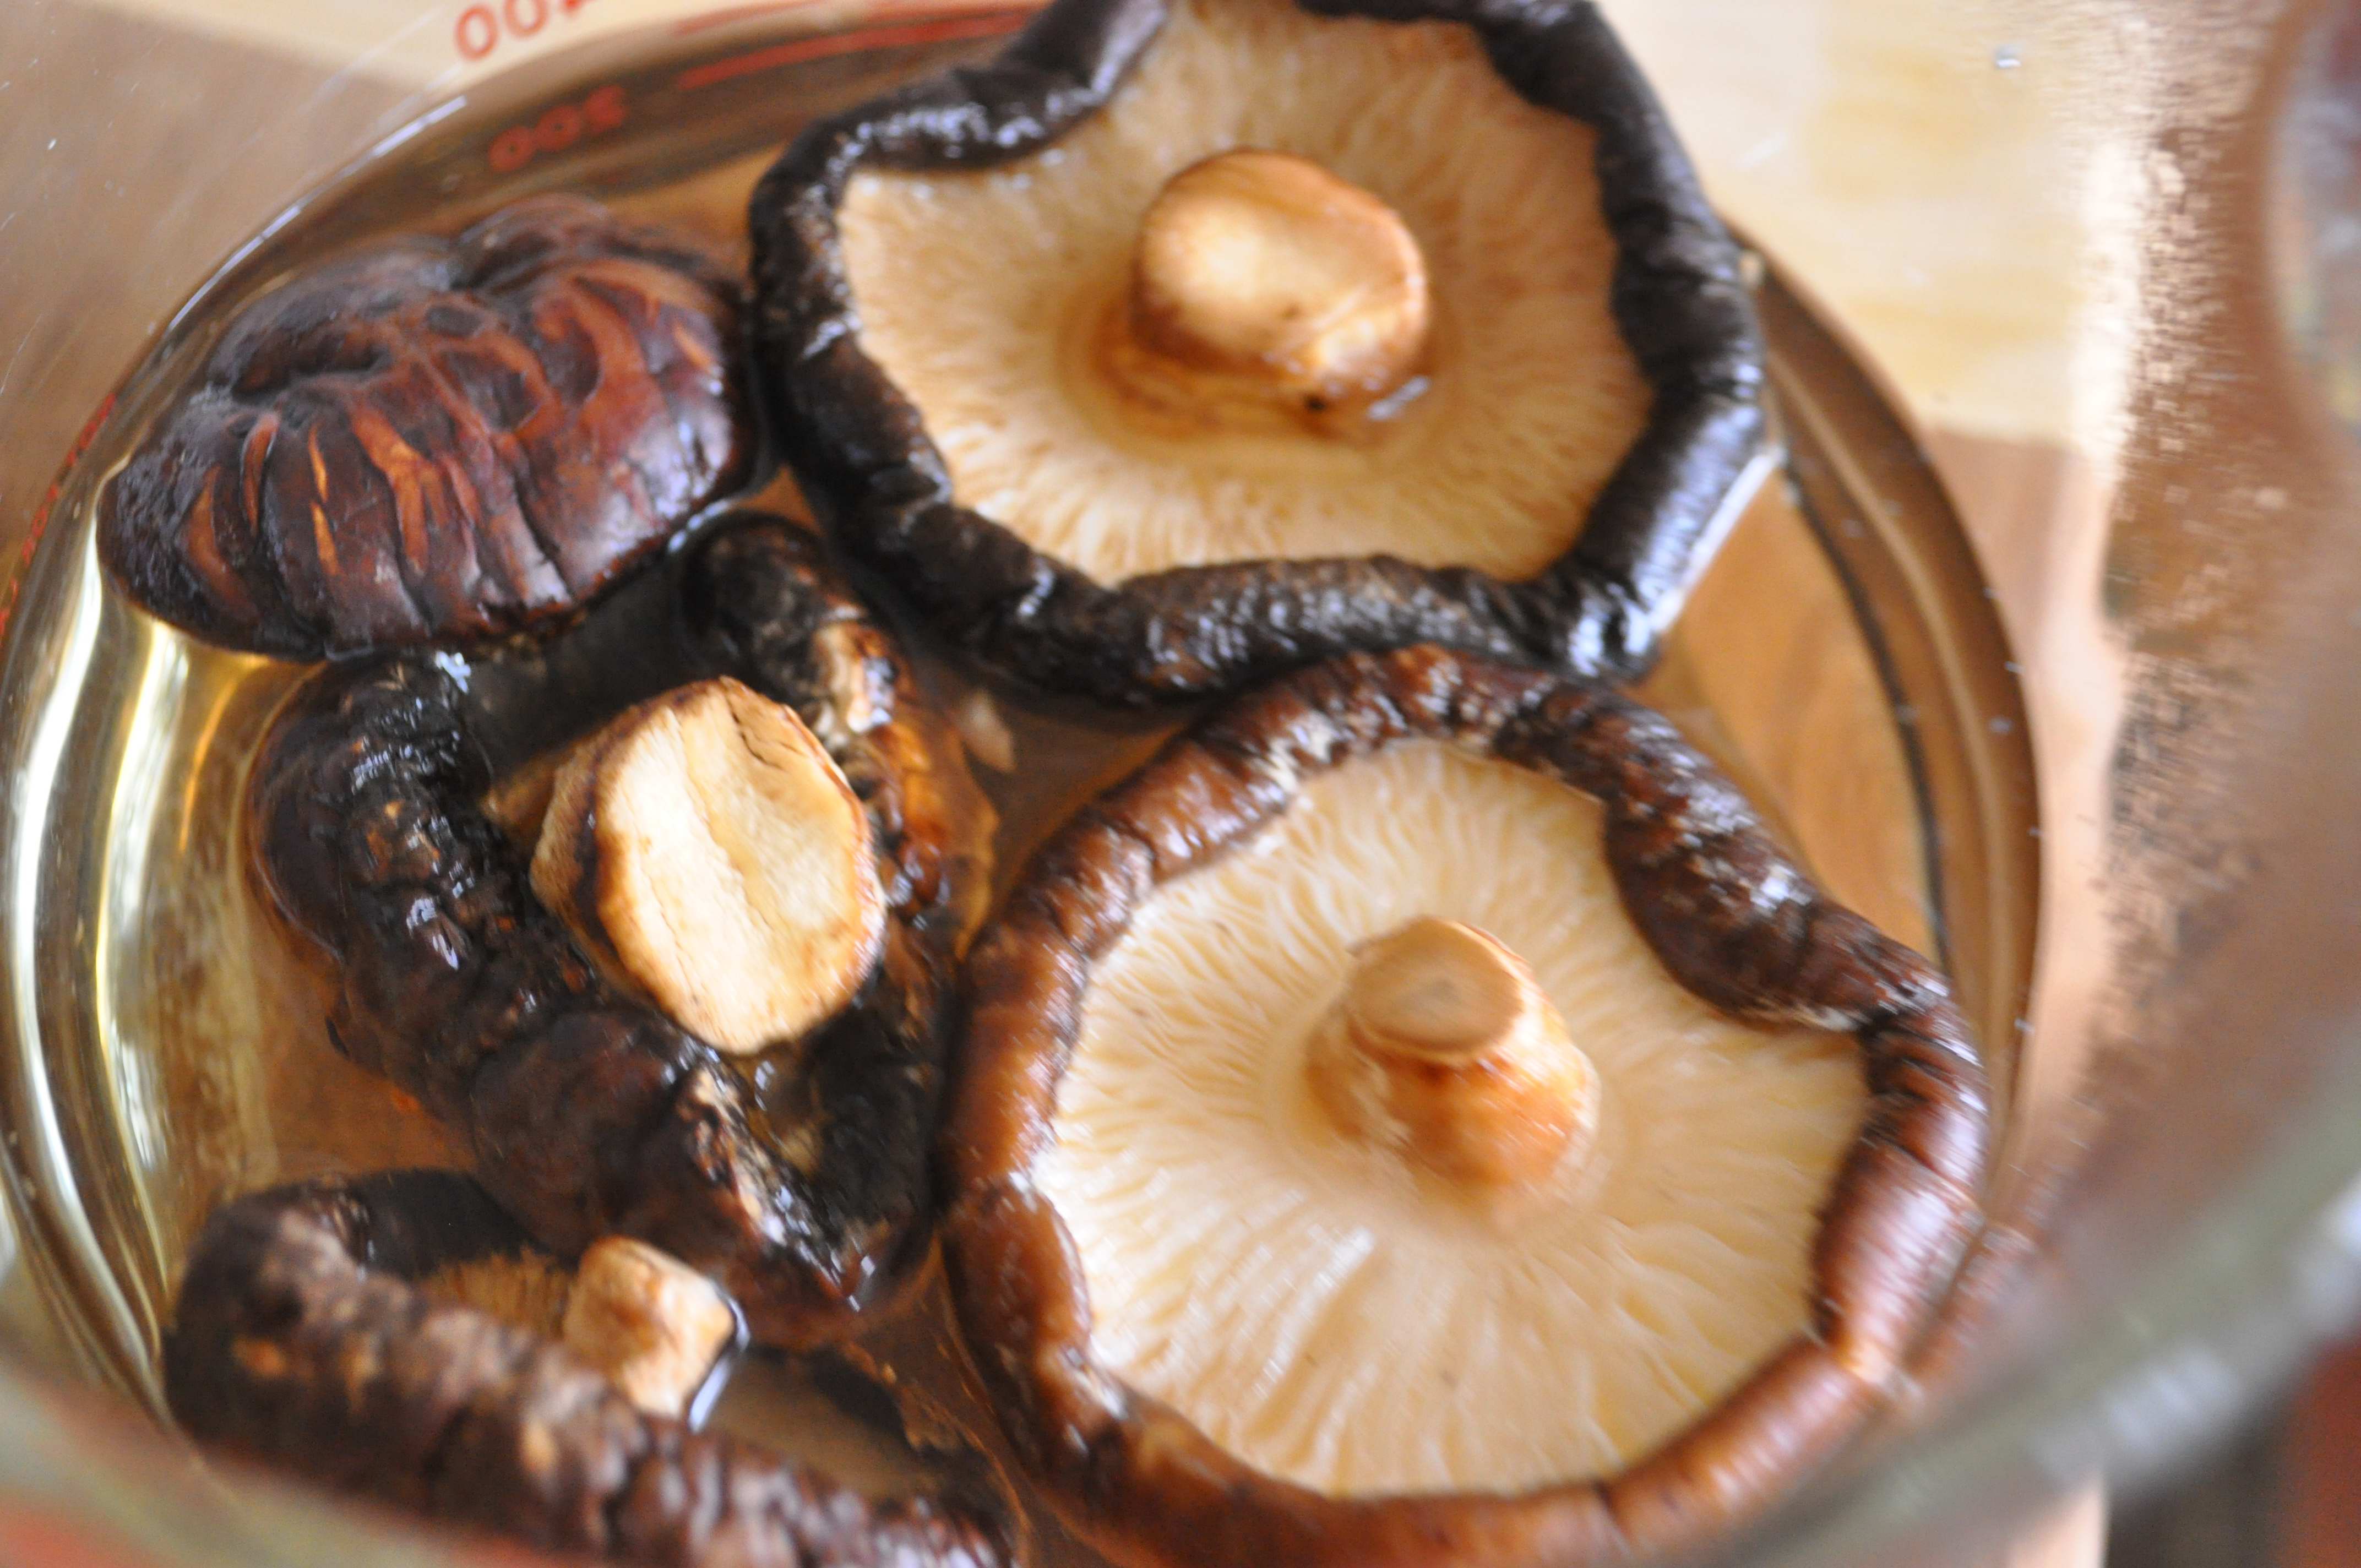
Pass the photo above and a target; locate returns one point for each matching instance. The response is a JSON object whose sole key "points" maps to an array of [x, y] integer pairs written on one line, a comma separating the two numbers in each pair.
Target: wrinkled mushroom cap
{"points": [[1325, 1311], [988, 297], [438, 442]]}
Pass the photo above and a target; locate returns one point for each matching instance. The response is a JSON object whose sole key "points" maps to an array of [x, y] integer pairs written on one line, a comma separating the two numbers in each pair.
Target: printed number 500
{"points": [[482, 27], [559, 127]]}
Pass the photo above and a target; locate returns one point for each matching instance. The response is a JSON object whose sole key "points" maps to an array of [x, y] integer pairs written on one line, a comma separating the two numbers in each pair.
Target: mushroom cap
{"points": [[439, 441], [1326, 1316], [300, 1339], [1717, 903], [1640, 522], [984, 294], [801, 1183]]}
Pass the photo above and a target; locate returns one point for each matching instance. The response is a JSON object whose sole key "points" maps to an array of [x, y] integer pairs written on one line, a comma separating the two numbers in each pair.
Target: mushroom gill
{"points": [[1029, 311], [1345, 1317]]}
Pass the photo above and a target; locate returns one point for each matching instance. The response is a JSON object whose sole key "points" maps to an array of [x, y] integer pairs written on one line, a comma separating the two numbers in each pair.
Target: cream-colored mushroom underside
{"points": [[1329, 1318], [979, 293]]}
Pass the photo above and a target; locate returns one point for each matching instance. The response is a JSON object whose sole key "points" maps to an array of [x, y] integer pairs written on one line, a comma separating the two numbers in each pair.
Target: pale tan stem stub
{"points": [[1263, 273], [653, 1325], [706, 849], [1444, 1048]]}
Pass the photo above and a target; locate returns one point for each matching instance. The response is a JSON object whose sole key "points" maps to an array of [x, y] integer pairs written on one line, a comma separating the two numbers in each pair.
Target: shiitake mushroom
{"points": [[1190, 340], [586, 1110], [439, 441], [1363, 1126], [302, 1338], [1200, 1149]]}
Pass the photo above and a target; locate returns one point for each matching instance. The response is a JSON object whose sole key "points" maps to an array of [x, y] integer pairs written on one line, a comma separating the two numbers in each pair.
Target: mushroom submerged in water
{"points": [[1186, 345], [782, 855], [439, 441], [705, 847], [1489, 1201], [315, 1331], [1353, 1149], [1241, 315]]}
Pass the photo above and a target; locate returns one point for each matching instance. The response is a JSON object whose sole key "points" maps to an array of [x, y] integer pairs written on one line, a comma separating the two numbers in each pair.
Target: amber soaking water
{"points": [[1839, 659]]}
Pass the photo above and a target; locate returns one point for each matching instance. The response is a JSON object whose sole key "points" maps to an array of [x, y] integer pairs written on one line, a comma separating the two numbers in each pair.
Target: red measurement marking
{"points": [[559, 127], [41, 513], [982, 25], [707, 21], [482, 27], [477, 32]]}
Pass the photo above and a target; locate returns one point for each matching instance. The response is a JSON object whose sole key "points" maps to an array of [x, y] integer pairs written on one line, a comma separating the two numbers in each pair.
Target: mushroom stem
{"points": [[653, 1325], [706, 851], [1261, 280], [1443, 1048]]}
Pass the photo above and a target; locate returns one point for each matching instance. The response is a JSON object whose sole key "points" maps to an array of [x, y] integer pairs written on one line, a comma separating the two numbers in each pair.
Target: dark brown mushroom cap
{"points": [[438, 441], [585, 1111], [863, 452], [299, 1340], [1731, 918]]}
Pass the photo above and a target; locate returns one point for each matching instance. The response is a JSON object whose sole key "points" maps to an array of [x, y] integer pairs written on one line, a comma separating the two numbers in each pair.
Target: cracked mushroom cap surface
{"points": [[1231, 1325], [1188, 342], [439, 441]]}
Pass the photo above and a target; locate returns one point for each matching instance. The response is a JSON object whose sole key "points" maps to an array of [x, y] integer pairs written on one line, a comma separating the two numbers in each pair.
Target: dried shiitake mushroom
{"points": [[800, 1182], [1194, 340], [1338, 1176], [439, 441], [301, 1340]]}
